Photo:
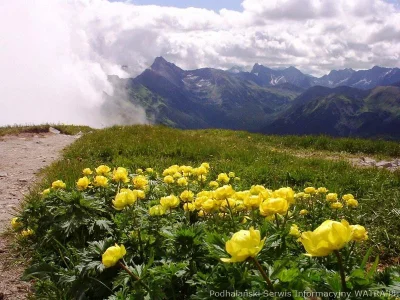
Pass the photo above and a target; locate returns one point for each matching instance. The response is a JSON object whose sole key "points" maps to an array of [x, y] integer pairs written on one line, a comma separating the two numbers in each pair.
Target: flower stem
{"points": [[134, 276], [341, 268], [277, 221], [263, 274]]}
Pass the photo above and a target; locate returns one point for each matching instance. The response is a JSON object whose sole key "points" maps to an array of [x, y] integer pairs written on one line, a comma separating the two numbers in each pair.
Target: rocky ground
{"points": [[21, 158]]}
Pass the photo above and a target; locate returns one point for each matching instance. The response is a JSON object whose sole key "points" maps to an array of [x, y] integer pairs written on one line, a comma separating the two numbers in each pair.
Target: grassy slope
{"points": [[64, 129], [251, 157]]}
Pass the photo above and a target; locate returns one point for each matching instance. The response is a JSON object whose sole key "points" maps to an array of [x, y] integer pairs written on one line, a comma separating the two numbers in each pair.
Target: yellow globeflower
{"points": [[139, 171], [200, 214], [87, 172], [205, 165], [213, 184], [294, 231], [140, 182], [257, 189], [189, 207], [182, 181], [273, 206], [237, 179], [199, 201], [200, 171], [112, 255], [157, 210], [347, 197], [299, 195], [224, 192], [332, 197], [15, 223], [286, 193], [124, 198], [187, 196], [310, 190], [322, 190], [100, 181], [352, 203], [329, 236], [244, 244], [223, 177], [304, 212], [359, 233], [253, 201], [103, 170], [169, 179], [121, 175], [231, 174], [208, 205], [27, 232], [170, 201], [58, 184], [149, 170], [82, 183], [140, 194], [45, 192], [336, 205]]}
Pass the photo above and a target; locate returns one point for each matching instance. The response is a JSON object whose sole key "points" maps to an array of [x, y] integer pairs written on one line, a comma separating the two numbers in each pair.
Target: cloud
{"points": [[55, 55]]}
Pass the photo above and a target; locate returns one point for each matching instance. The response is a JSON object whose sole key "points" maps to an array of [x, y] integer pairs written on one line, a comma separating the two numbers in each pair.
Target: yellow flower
{"points": [[170, 201], [182, 181], [224, 192], [45, 192], [27, 232], [322, 190], [253, 201], [149, 170], [186, 170], [15, 223], [347, 197], [299, 195], [123, 198], [303, 212], [359, 233], [213, 184], [157, 210], [177, 175], [223, 177], [112, 255], [336, 205], [83, 183], [120, 175], [202, 178], [139, 171], [87, 172], [140, 194], [187, 196], [58, 184], [257, 189], [189, 207], [294, 231], [101, 181], [329, 236], [200, 214], [310, 190], [237, 179], [286, 193], [199, 201], [103, 170], [231, 174], [273, 206], [200, 171], [205, 165], [331, 197], [244, 244], [352, 203], [169, 179], [140, 182], [208, 205]]}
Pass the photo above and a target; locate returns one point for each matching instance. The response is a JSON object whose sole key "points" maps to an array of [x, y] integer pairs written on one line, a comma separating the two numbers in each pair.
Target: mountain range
{"points": [[286, 101]]}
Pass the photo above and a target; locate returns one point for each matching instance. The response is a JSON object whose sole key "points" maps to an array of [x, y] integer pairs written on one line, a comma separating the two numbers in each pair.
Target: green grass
{"points": [[250, 157], [64, 129]]}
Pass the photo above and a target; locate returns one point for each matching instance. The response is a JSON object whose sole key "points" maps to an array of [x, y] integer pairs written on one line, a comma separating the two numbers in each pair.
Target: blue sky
{"points": [[209, 4]]}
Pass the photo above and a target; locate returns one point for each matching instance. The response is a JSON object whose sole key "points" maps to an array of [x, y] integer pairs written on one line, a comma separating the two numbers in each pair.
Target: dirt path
{"points": [[21, 157]]}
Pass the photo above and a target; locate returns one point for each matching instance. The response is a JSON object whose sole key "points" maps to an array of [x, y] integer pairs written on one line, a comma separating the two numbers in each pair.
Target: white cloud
{"points": [[55, 54]]}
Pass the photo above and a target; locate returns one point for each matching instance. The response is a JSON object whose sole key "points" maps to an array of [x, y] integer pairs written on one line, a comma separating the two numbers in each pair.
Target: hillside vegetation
{"points": [[66, 263]]}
